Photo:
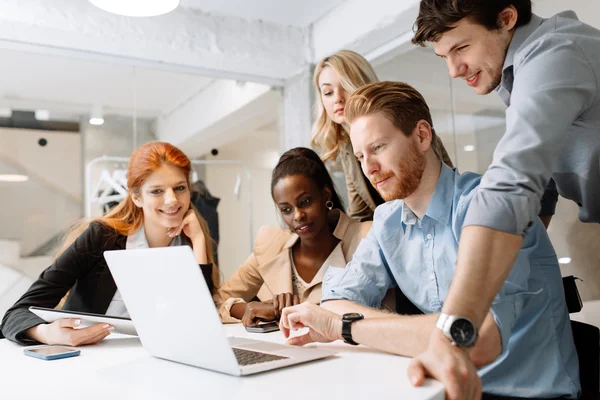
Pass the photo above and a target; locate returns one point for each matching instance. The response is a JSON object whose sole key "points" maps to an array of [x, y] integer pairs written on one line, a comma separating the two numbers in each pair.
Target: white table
{"points": [[119, 368]]}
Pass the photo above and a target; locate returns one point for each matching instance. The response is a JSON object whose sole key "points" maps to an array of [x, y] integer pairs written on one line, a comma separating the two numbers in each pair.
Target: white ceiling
{"points": [[285, 12], [305, 12], [70, 87]]}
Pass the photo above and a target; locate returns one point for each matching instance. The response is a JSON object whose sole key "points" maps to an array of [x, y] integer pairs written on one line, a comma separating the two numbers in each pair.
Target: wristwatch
{"points": [[461, 331], [347, 320]]}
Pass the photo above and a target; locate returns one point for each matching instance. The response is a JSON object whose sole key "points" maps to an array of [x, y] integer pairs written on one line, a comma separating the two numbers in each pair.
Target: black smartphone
{"points": [[264, 328]]}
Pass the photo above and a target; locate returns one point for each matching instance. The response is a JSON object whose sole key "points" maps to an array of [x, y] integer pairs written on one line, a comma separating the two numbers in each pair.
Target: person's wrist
{"points": [[199, 241], [337, 328], [439, 337], [199, 247], [37, 333], [460, 331]]}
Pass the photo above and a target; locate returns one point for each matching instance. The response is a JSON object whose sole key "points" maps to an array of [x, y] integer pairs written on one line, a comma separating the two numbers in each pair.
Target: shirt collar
{"points": [[408, 216], [520, 36], [138, 240], [440, 205]]}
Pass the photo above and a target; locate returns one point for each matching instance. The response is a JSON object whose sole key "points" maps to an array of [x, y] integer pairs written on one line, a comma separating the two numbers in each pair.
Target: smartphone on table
{"points": [[52, 352], [264, 327]]}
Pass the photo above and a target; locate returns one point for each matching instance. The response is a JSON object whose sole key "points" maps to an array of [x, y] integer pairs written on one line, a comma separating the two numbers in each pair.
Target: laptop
{"points": [[176, 319]]}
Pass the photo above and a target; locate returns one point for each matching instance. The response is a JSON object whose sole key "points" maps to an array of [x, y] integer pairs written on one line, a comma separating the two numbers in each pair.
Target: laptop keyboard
{"points": [[248, 357]]}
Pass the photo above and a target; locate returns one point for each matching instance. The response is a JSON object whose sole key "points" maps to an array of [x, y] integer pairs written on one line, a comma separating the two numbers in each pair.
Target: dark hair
{"points": [[436, 16], [303, 161]]}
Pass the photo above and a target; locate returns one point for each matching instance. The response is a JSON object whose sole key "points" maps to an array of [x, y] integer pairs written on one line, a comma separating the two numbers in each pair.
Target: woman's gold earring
{"points": [[329, 205]]}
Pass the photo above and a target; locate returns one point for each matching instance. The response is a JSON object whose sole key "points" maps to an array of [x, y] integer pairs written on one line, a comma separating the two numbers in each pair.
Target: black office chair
{"points": [[404, 306], [587, 344]]}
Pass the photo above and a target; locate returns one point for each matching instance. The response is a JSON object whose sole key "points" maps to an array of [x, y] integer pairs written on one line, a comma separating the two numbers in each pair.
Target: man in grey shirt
{"points": [[547, 72]]}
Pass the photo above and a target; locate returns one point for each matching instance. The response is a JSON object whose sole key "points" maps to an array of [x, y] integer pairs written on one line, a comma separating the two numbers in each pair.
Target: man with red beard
{"points": [[525, 345]]}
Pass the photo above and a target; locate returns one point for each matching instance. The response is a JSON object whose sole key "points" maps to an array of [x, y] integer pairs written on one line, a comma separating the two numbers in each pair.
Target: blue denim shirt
{"points": [[419, 255]]}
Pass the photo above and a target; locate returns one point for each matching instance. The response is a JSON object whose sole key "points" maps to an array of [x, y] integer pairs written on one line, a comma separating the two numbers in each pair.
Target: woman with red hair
{"points": [[157, 213]]}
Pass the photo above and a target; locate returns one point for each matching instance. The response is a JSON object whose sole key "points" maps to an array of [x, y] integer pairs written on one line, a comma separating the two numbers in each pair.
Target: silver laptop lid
{"points": [[170, 304]]}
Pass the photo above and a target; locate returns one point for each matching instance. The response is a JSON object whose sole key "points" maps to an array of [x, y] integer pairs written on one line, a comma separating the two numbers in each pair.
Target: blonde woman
{"points": [[335, 78]]}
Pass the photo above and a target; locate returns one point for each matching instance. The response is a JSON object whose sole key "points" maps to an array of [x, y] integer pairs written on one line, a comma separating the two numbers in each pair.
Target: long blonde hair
{"points": [[126, 218], [353, 71]]}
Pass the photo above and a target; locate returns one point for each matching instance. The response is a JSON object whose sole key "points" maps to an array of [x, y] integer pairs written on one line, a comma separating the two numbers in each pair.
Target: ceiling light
{"points": [[137, 8], [42, 115], [5, 113], [469, 147], [96, 121], [97, 116], [13, 178], [564, 260]]}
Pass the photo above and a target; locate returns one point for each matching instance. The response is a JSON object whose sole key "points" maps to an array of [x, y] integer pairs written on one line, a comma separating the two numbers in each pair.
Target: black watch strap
{"points": [[347, 320]]}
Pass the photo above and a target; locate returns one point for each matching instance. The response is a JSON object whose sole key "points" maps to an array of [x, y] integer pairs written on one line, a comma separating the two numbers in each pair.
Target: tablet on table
{"points": [[121, 324]]}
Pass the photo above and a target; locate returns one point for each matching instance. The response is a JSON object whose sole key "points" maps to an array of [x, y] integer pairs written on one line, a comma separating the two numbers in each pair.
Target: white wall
{"points": [[50, 201], [259, 150], [56, 164]]}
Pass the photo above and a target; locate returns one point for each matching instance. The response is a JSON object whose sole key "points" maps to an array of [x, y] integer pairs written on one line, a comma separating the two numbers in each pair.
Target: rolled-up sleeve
{"points": [[554, 84], [365, 280]]}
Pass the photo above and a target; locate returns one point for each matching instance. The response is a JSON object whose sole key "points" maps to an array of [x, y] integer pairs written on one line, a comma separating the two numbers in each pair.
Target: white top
{"points": [[299, 286], [138, 240], [119, 368]]}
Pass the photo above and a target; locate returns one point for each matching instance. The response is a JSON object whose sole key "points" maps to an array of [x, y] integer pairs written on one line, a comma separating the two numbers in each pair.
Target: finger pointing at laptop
{"points": [[324, 326]]}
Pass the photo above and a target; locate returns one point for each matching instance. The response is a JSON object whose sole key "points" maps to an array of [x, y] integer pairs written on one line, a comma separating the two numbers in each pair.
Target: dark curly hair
{"points": [[304, 161]]}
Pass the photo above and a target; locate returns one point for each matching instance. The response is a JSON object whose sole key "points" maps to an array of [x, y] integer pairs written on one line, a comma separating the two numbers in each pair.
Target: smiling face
{"points": [[333, 94], [476, 54], [302, 205], [164, 197], [392, 161]]}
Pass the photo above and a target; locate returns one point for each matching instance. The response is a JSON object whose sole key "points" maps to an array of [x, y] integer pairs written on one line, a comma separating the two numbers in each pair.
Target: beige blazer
{"points": [[362, 206], [268, 270]]}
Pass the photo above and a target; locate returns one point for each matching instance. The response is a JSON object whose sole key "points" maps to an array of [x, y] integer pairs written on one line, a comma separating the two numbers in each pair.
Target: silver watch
{"points": [[461, 331]]}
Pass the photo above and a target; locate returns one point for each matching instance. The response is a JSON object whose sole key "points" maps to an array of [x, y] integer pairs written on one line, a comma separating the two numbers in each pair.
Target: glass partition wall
{"points": [[57, 114]]}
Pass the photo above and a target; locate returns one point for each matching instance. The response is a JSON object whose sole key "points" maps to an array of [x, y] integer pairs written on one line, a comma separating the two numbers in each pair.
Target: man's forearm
{"points": [[398, 334], [346, 306], [485, 258], [381, 330], [409, 335]]}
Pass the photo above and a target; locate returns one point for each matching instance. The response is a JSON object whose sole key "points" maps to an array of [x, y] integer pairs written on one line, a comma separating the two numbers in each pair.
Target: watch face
{"points": [[352, 316], [463, 332]]}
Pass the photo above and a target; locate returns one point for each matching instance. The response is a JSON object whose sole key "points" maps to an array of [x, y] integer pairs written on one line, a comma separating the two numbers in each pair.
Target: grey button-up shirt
{"points": [[550, 82]]}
